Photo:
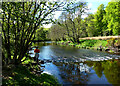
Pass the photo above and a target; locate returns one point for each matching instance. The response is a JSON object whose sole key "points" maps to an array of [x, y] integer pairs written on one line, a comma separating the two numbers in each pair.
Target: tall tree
{"points": [[99, 20], [72, 21], [112, 17]]}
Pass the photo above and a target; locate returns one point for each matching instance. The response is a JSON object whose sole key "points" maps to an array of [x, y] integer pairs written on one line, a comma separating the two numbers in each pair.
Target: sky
{"points": [[92, 5]]}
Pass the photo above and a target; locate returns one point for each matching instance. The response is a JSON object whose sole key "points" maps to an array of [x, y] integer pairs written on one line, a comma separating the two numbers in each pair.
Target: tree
{"points": [[41, 34], [57, 33], [90, 25], [99, 20], [71, 21], [20, 20], [112, 17]]}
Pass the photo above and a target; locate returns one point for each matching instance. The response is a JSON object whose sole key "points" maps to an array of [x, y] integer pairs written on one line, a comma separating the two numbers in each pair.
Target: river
{"points": [[73, 66]]}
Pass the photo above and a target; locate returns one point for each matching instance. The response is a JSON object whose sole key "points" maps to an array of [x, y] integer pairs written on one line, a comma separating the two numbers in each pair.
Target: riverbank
{"points": [[111, 45], [26, 74], [67, 65]]}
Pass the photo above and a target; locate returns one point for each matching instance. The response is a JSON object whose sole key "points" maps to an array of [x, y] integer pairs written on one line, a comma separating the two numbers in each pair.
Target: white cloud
{"points": [[89, 5]]}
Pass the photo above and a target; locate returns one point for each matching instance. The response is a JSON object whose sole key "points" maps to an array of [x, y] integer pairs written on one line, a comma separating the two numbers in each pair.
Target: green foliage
{"points": [[87, 43], [90, 24], [27, 61], [20, 20], [112, 17], [99, 43], [41, 34], [71, 26], [98, 20]]}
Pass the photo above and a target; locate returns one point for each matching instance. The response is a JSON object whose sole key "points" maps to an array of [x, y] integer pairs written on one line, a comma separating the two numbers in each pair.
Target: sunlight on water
{"points": [[79, 66]]}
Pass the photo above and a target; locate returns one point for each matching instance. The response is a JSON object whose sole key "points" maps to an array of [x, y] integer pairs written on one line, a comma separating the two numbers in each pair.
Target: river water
{"points": [[74, 66]]}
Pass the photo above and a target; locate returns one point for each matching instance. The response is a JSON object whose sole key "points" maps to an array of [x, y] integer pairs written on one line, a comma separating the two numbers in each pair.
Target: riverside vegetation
{"points": [[111, 45], [24, 75], [22, 22], [104, 22]]}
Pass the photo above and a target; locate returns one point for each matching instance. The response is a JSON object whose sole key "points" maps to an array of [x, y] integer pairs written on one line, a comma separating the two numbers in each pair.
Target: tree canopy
{"points": [[20, 20], [104, 22]]}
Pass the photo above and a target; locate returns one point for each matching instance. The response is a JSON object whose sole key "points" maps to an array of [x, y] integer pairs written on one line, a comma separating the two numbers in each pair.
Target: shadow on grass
{"points": [[20, 75]]}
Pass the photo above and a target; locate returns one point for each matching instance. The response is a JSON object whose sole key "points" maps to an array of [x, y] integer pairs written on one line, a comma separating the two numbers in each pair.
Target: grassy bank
{"points": [[85, 43], [21, 75], [103, 45], [92, 43]]}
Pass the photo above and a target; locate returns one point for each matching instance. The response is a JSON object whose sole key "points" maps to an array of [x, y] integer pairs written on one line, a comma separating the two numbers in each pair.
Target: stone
{"points": [[42, 62], [107, 49]]}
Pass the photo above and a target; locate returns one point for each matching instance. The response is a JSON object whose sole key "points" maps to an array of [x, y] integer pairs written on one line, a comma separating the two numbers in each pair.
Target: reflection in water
{"points": [[111, 70], [73, 73], [68, 68], [104, 72]]}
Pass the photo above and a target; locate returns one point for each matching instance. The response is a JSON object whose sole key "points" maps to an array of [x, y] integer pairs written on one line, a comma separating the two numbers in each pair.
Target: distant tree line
{"points": [[71, 26]]}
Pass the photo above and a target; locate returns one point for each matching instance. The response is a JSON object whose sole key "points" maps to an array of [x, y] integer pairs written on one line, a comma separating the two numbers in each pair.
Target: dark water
{"points": [[80, 66]]}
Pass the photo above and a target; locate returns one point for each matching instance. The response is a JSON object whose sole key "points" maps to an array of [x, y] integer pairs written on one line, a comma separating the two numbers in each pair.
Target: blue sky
{"points": [[92, 5]]}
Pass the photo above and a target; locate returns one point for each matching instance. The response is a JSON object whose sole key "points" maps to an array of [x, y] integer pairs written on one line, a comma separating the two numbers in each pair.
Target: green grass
{"points": [[102, 43], [93, 44], [21, 76], [86, 43]]}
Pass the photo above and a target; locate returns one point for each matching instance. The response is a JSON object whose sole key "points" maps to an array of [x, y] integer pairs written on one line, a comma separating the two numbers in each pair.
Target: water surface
{"points": [[80, 66]]}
